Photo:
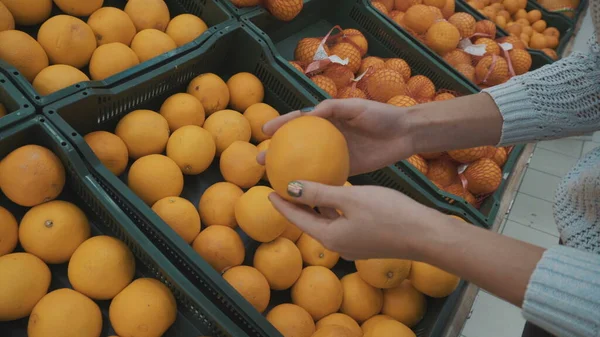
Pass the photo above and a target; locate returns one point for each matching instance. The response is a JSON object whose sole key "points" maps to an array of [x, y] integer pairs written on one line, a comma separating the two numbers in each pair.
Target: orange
{"points": [[211, 91], [505, 14], [340, 320], [110, 25], [442, 171], [390, 328], [185, 28], [351, 92], [464, 22], [280, 262], [79, 8], [483, 176], [24, 280], [551, 53], [239, 166], [442, 37], [245, 90], [326, 84], [146, 307], [357, 38], [521, 60], [226, 127], [110, 59], [22, 52], [155, 177], [389, 4], [217, 203], [77, 40], [432, 281], [514, 40], [9, 232], [435, 3], [7, 21], [110, 149], [57, 77], [404, 304], [400, 66], [341, 75], [448, 9], [368, 325], [403, 5], [419, 163], [291, 320], [402, 101], [500, 156], [182, 109], [318, 291], [31, 175], [148, 14], [53, 231], [251, 284], [192, 148], [113, 267], [221, 247], [371, 62], [292, 232], [307, 48], [524, 23], [150, 43], [420, 88], [500, 21], [552, 31], [181, 215], [258, 114], [534, 16], [419, 18], [515, 29], [468, 155], [538, 41], [284, 10], [520, 14], [383, 273], [492, 70], [459, 190], [315, 254], [29, 12], [65, 312], [144, 132], [257, 217], [539, 26], [383, 84], [486, 27], [512, 6], [457, 57], [380, 7], [551, 41], [346, 50], [334, 331], [361, 300], [317, 158], [445, 96], [491, 46]]}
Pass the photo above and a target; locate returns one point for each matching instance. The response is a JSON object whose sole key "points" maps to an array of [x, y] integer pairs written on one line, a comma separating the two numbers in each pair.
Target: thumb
{"points": [[319, 195]]}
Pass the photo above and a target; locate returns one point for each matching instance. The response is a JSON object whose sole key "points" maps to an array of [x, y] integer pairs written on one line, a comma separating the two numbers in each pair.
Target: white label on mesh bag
{"points": [[321, 54], [337, 59], [506, 46], [476, 50]]}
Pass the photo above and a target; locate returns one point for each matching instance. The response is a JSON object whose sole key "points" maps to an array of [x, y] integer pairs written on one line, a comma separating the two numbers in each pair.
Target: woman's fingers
{"points": [[320, 195], [302, 216], [271, 126], [261, 158]]}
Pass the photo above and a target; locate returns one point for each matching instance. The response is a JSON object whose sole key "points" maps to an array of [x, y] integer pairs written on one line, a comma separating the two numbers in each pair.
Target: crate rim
{"points": [[26, 108]]}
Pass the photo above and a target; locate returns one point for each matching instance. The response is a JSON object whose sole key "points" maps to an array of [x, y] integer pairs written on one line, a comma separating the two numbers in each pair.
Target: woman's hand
{"points": [[376, 222], [377, 134]]}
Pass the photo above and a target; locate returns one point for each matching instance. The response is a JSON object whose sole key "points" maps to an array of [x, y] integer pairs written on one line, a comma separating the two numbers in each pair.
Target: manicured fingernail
{"points": [[294, 189], [307, 109]]}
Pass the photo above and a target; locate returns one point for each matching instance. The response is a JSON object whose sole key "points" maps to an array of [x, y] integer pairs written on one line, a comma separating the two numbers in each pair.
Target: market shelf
{"points": [[234, 49], [212, 12], [196, 314]]}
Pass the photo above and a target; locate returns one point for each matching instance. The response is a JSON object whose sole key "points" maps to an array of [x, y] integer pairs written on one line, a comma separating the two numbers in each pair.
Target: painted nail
{"points": [[307, 109], [294, 189]]}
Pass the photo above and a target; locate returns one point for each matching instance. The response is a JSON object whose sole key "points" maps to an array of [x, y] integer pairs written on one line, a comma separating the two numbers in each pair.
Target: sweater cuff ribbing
{"points": [[563, 295], [517, 109]]}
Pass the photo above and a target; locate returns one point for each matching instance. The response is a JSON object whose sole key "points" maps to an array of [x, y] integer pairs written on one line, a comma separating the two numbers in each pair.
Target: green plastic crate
{"points": [[220, 55], [196, 314], [18, 107], [212, 12], [318, 17], [237, 11]]}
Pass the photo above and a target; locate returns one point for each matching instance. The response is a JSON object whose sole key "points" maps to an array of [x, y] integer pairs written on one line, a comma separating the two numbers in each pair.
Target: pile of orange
{"points": [[55, 232], [437, 25], [528, 26], [370, 77], [111, 41], [284, 10], [468, 173]]}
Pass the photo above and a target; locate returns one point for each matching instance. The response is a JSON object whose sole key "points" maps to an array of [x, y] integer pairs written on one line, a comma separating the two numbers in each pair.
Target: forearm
{"points": [[464, 122], [499, 264]]}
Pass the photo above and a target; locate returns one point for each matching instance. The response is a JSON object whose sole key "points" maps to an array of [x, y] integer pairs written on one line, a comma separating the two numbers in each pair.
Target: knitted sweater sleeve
{"points": [[558, 100]]}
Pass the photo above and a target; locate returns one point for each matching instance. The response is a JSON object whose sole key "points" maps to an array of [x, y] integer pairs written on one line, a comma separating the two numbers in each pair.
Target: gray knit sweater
{"points": [[560, 100]]}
